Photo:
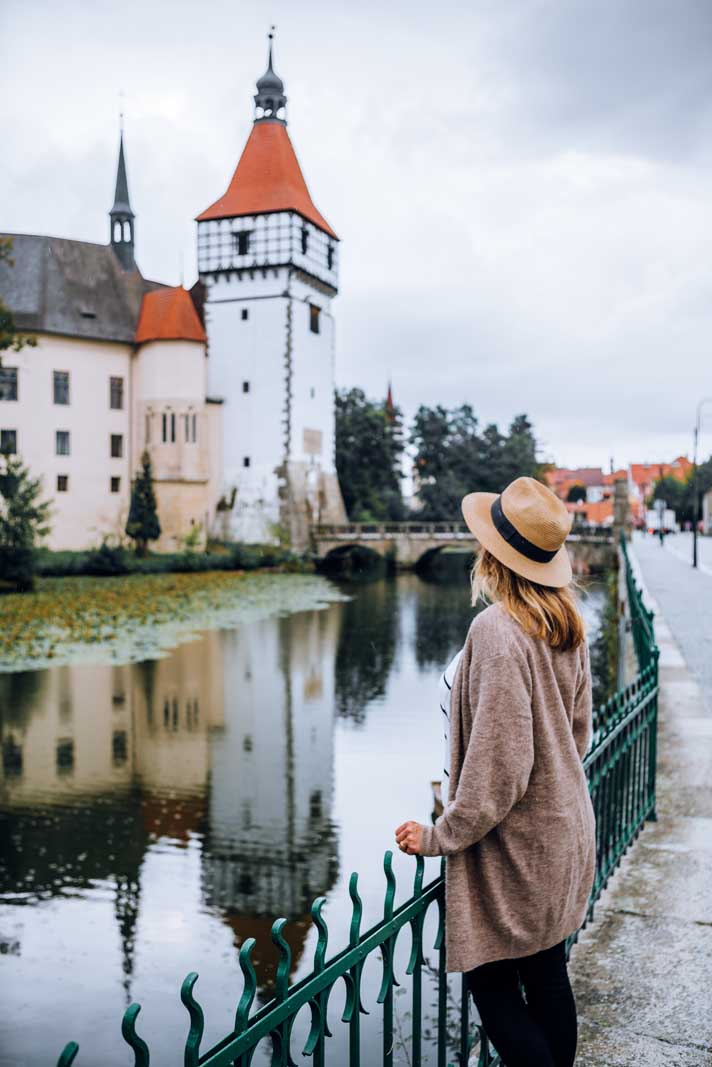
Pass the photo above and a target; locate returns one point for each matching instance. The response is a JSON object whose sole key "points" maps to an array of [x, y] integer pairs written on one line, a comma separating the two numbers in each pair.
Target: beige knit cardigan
{"points": [[518, 828]]}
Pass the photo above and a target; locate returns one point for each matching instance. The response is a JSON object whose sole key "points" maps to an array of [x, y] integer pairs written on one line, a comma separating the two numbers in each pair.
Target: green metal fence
{"points": [[620, 767]]}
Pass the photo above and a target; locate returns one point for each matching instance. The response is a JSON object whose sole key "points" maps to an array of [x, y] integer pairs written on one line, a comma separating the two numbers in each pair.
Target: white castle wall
{"points": [[288, 412]]}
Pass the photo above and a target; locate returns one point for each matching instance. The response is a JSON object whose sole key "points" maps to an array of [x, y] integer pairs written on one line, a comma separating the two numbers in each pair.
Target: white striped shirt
{"points": [[445, 690]]}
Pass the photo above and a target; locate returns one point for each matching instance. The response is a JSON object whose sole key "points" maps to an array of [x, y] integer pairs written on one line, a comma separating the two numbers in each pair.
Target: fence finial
{"points": [[249, 986], [68, 1053], [128, 1030], [197, 1020], [323, 934], [390, 886], [285, 959]]}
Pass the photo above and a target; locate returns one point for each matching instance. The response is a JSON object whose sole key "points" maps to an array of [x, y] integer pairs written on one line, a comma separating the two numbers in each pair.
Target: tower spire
{"points": [[121, 217], [270, 98]]}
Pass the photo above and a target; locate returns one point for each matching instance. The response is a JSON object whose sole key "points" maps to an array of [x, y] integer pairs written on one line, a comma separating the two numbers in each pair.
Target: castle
{"points": [[229, 386]]}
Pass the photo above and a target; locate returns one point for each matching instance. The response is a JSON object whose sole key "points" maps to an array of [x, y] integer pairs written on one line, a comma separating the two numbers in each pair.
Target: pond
{"points": [[155, 814]]}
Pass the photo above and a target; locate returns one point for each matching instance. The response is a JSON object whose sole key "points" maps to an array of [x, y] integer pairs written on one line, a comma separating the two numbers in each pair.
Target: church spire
{"points": [[270, 98], [121, 217]]}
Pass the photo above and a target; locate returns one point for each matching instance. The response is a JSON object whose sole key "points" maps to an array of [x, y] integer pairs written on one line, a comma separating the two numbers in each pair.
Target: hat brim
{"points": [[476, 511]]}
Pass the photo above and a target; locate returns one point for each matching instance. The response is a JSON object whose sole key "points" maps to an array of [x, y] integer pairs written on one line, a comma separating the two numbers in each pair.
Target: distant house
{"points": [[595, 513], [643, 476], [707, 512], [562, 479]]}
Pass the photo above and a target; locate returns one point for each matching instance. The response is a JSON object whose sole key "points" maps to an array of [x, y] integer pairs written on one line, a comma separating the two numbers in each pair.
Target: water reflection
{"points": [[185, 802]]}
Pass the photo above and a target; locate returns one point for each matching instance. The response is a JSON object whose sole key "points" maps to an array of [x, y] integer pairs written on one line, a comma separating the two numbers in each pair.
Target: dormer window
{"points": [[242, 242], [305, 240]]}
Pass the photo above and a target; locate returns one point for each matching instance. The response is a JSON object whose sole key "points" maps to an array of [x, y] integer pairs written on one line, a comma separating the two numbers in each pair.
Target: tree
{"points": [[369, 446], [24, 521], [10, 339], [142, 525], [576, 493], [679, 495], [453, 457]]}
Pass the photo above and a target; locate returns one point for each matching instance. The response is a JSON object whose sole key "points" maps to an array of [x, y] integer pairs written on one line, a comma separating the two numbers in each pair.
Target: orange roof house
{"points": [[645, 475], [562, 479], [169, 315], [267, 178], [599, 513]]}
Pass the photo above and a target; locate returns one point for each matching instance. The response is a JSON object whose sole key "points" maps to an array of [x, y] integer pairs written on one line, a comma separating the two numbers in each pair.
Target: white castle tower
{"points": [[269, 263]]}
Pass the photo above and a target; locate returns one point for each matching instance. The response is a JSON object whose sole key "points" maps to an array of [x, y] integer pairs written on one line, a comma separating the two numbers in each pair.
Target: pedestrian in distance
{"points": [[518, 829]]}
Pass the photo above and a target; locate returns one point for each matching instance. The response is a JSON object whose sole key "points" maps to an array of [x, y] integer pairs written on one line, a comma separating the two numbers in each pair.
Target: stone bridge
{"points": [[412, 544]]}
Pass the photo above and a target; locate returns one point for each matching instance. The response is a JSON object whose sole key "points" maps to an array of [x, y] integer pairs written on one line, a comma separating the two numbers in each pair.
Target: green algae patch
{"points": [[135, 617]]}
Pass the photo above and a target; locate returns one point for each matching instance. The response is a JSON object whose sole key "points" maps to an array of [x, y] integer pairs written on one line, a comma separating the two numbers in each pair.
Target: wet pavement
{"points": [[641, 970]]}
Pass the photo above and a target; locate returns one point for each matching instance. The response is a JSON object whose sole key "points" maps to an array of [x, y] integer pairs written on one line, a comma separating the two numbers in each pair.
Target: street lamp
{"points": [[695, 509]]}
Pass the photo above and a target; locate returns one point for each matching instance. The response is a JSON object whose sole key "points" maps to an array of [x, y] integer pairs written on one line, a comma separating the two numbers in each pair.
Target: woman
{"points": [[518, 829]]}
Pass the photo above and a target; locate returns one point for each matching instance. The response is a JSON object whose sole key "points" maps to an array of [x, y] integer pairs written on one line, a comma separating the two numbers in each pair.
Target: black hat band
{"points": [[513, 537]]}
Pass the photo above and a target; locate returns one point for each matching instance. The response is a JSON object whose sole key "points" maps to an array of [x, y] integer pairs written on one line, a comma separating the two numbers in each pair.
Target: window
{"points": [[62, 442], [117, 445], [65, 755], [11, 758], [315, 805], [245, 314], [168, 426], [8, 441], [115, 485], [246, 461], [119, 748], [194, 427], [116, 393], [186, 425], [312, 392], [245, 387], [242, 242], [62, 483], [305, 240], [60, 379], [330, 257], [8, 383], [314, 312], [147, 429]]}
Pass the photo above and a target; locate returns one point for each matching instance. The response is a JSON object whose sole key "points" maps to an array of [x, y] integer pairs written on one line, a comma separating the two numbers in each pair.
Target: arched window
{"points": [[127, 230], [117, 232]]}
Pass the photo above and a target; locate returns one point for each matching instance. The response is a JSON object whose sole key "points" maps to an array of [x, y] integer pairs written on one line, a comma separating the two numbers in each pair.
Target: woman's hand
{"points": [[409, 837]]}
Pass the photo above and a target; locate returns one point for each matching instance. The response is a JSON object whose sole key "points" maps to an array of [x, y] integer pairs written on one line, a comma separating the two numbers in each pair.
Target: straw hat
{"points": [[524, 527]]}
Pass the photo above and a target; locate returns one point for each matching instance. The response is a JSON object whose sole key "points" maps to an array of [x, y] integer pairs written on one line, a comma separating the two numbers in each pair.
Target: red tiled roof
{"points": [[647, 473], [620, 475], [267, 178], [169, 315]]}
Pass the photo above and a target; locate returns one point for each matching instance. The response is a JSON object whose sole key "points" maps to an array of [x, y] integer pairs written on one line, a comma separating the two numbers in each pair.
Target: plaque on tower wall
{"points": [[312, 442]]}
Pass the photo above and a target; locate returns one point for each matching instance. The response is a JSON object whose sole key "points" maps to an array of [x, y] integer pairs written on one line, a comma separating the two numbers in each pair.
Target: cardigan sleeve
{"points": [[499, 756], [582, 724]]}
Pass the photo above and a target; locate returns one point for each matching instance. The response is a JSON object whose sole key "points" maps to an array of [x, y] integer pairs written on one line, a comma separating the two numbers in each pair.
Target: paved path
{"points": [[684, 596], [642, 971]]}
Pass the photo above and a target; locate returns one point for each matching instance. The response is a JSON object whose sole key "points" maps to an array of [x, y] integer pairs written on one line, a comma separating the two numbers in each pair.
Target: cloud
{"points": [[522, 188]]}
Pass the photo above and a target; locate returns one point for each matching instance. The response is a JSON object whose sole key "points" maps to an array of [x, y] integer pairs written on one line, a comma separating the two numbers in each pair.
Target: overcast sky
{"points": [[523, 188]]}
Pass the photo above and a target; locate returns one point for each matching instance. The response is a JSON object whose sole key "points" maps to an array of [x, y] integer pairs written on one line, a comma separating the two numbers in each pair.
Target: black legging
{"points": [[539, 1033]]}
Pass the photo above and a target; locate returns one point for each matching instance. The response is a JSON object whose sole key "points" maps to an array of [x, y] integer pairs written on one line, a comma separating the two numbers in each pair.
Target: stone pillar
{"points": [[621, 509]]}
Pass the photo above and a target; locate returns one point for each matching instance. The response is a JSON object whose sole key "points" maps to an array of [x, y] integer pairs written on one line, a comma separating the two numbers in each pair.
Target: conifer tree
{"points": [[142, 525], [23, 521]]}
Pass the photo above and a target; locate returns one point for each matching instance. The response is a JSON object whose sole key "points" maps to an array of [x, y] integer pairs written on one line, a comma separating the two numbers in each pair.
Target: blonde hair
{"points": [[551, 614]]}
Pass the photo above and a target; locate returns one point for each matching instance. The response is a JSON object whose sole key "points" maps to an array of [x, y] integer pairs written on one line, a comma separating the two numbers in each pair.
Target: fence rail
{"points": [[620, 768]]}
